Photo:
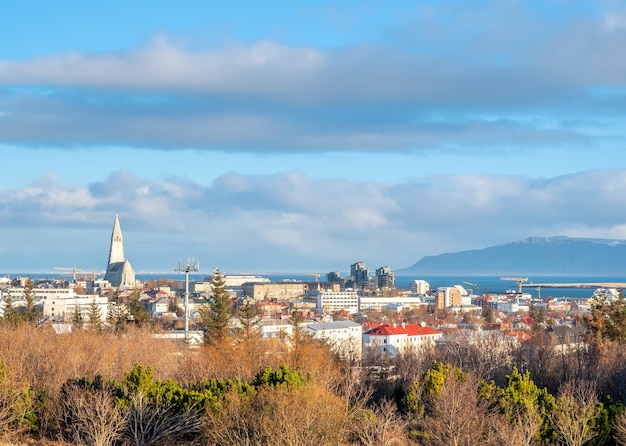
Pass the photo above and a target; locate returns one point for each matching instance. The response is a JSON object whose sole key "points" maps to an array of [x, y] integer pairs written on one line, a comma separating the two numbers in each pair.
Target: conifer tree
{"points": [[247, 318], [95, 315], [31, 314], [218, 310], [77, 316], [10, 312]]}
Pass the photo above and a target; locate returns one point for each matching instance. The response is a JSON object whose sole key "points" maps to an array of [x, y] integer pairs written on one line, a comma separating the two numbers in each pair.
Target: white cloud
{"points": [[286, 221]]}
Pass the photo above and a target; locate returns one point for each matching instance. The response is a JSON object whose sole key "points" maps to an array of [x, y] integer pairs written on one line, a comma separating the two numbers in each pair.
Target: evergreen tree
{"points": [[30, 314], [95, 315], [77, 316], [11, 314], [218, 310], [137, 310], [248, 321]]}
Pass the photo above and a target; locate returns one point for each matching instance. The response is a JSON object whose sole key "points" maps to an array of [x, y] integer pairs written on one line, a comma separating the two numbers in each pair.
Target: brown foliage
{"points": [[458, 416], [298, 416]]}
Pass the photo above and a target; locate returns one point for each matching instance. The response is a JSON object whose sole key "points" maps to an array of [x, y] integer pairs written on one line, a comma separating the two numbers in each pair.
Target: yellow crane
{"points": [[317, 276], [519, 280], [76, 272]]}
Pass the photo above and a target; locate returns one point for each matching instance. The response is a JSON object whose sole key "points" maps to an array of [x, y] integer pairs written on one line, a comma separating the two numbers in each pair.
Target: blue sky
{"points": [[264, 137]]}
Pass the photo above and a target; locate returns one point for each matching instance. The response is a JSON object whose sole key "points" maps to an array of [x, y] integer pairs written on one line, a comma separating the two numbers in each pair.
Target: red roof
{"points": [[521, 336], [407, 329]]}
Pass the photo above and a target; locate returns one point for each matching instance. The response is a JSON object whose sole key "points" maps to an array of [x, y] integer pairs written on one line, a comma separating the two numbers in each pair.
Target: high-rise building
{"points": [[119, 273], [385, 278], [419, 287], [334, 277], [360, 274]]}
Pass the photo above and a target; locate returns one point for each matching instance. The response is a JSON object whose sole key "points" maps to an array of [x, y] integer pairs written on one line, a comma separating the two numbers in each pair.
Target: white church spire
{"points": [[116, 253], [119, 271]]}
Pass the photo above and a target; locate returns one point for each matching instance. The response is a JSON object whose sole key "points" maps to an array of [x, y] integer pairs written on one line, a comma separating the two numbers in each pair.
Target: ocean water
{"points": [[493, 284], [475, 284]]}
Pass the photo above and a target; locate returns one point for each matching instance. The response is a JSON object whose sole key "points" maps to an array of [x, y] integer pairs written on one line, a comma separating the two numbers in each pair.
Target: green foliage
{"points": [[283, 377], [428, 386], [11, 315], [247, 319], [137, 310], [216, 314], [95, 315], [30, 313], [17, 412], [521, 397], [608, 319]]}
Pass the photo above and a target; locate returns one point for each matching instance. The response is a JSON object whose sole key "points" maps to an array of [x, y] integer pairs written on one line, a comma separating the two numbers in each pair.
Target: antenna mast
{"points": [[192, 266]]}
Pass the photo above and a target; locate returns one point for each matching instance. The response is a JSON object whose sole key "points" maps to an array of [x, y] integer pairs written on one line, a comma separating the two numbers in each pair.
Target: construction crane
{"points": [[76, 272], [317, 276], [519, 280]]}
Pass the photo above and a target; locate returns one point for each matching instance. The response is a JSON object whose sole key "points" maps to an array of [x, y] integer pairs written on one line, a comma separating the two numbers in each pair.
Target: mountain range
{"points": [[533, 256]]}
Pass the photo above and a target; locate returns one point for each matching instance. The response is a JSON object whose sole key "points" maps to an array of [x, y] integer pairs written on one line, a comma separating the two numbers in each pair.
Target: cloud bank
{"points": [[461, 78], [291, 222]]}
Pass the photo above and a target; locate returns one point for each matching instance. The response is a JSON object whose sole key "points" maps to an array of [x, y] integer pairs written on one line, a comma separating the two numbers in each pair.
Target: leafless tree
{"points": [[149, 423], [576, 409], [381, 426], [91, 416], [521, 429], [487, 355], [458, 416], [619, 427]]}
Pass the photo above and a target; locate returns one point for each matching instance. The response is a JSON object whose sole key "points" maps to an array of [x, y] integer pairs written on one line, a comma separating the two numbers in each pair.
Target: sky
{"points": [[304, 137]]}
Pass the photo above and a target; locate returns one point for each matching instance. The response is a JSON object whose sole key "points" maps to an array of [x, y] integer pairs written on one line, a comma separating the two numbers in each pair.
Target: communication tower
{"points": [[192, 266]]}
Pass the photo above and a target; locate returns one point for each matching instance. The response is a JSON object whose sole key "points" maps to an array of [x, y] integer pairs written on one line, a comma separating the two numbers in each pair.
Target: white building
{"points": [[275, 328], [376, 303], [419, 287], [344, 337], [57, 304], [333, 301], [394, 339]]}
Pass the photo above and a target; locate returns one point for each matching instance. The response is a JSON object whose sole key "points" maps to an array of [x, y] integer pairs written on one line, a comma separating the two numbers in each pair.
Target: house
{"points": [[394, 339]]}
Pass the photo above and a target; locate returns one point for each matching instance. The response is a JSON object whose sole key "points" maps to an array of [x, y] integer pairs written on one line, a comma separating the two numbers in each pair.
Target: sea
{"points": [[474, 284]]}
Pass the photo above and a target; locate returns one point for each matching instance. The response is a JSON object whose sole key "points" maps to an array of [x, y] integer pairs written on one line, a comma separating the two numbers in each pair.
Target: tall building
{"points": [[419, 287], [360, 274], [119, 271], [385, 278]]}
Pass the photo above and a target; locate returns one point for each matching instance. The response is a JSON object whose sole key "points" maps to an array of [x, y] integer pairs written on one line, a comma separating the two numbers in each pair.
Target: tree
{"points": [[95, 315], [608, 321], [137, 311], [525, 408], [577, 409], [91, 415], [30, 314], [248, 320], [77, 316], [218, 310], [11, 314], [455, 413]]}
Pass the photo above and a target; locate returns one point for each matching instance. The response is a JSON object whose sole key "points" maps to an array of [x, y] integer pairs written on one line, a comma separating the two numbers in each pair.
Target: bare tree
{"points": [[619, 426], [576, 409], [150, 423], [382, 426], [520, 428], [457, 415], [91, 416]]}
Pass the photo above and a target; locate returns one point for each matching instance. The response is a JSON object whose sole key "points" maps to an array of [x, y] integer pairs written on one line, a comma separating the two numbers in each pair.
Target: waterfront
{"points": [[473, 284]]}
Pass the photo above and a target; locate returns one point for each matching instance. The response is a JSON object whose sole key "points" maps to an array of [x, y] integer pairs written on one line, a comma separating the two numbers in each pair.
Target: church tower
{"points": [[120, 273], [116, 253]]}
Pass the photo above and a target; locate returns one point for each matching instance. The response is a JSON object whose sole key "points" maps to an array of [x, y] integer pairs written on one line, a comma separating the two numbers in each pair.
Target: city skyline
{"points": [[306, 138]]}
